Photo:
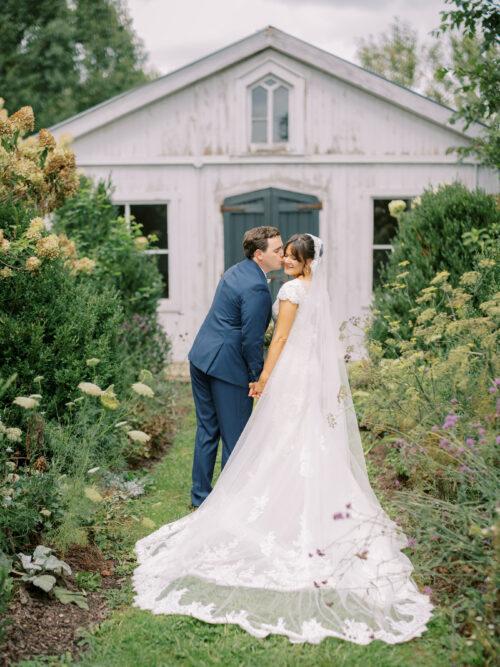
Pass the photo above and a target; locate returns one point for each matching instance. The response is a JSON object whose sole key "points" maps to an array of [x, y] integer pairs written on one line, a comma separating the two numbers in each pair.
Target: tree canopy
{"points": [[62, 57]]}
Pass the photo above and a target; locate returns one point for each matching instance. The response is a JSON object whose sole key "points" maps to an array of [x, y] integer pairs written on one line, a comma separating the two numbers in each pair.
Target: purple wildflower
{"points": [[427, 590], [492, 390], [338, 515], [397, 483], [450, 420], [454, 401], [444, 444], [435, 428], [434, 537], [497, 439], [465, 469], [411, 542], [470, 442], [496, 381], [481, 430]]}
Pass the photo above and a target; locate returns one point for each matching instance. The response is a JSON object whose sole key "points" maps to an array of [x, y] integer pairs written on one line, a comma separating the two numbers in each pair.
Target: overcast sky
{"points": [[176, 32]]}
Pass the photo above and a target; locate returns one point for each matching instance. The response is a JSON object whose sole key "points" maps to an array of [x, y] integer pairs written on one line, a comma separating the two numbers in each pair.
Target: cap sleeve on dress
{"points": [[290, 291]]}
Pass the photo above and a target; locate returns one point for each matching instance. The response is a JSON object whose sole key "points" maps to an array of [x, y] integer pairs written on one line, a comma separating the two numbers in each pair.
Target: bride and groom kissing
{"points": [[292, 539]]}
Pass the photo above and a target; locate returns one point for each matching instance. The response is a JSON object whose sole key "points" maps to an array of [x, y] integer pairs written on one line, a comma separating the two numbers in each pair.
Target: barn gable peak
{"points": [[269, 37]]}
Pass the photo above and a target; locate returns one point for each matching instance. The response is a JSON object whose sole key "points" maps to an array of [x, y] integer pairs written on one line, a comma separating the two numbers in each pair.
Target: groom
{"points": [[227, 354]]}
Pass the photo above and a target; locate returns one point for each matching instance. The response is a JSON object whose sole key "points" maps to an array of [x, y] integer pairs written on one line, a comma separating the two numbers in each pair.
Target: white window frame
{"points": [[382, 246], [269, 67], [153, 251], [270, 143]]}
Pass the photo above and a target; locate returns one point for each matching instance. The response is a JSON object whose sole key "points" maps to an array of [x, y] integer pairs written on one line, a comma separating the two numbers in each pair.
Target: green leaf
{"points": [[75, 597], [44, 581], [41, 553], [56, 565]]}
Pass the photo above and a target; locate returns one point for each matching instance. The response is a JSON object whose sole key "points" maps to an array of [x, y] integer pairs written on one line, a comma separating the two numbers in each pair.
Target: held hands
{"points": [[256, 388]]}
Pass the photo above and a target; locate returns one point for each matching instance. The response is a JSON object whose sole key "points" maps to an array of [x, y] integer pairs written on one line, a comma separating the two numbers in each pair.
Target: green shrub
{"points": [[435, 407], [52, 322], [90, 219], [64, 322], [442, 232]]}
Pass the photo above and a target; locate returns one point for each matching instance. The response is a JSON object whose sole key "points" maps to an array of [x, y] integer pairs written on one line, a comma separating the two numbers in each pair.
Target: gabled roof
{"points": [[267, 38]]}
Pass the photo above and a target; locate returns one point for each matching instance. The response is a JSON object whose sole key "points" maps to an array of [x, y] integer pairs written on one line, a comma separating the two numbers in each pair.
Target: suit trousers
{"points": [[222, 410]]}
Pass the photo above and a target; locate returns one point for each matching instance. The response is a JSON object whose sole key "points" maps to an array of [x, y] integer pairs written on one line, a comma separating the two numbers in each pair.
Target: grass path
{"points": [[131, 637]]}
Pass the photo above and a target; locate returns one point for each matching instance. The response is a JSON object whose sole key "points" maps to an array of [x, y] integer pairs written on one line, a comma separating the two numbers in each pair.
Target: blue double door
{"points": [[290, 212]]}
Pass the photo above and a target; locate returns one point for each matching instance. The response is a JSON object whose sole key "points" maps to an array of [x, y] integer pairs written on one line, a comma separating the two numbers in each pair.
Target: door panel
{"points": [[290, 212]]}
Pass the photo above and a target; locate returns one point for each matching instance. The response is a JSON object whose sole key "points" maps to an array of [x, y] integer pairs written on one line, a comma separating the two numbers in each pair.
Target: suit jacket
{"points": [[230, 342]]}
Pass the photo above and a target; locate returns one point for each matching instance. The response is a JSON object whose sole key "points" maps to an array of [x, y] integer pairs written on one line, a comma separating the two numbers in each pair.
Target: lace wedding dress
{"points": [[292, 539]]}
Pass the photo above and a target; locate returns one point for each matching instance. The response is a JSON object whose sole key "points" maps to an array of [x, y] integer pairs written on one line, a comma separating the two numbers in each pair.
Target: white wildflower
{"points": [[25, 402], [396, 207], [139, 436], [90, 388], [142, 389], [13, 434]]}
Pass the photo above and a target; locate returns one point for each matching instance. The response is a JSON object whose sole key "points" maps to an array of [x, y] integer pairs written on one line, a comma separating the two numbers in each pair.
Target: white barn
{"points": [[269, 130]]}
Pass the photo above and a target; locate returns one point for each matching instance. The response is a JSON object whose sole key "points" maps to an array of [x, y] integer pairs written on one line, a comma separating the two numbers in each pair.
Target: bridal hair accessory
{"points": [[318, 251]]}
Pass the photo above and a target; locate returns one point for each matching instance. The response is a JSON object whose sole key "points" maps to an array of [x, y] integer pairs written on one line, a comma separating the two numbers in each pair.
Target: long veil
{"points": [[292, 540]]}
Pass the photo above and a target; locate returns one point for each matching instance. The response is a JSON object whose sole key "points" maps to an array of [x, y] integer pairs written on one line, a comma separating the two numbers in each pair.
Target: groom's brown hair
{"points": [[257, 239]]}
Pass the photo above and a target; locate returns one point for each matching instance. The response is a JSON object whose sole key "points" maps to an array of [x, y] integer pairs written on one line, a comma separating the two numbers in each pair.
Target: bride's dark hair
{"points": [[301, 246]]}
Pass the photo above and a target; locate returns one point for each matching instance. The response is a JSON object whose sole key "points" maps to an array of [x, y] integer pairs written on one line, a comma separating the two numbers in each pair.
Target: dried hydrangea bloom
{"points": [[67, 247], [60, 159], [46, 139], [32, 263], [48, 247], [35, 229], [23, 120], [83, 265]]}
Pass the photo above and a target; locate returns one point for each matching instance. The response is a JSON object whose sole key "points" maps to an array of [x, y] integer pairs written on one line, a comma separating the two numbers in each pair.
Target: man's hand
{"points": [[256, 388]]}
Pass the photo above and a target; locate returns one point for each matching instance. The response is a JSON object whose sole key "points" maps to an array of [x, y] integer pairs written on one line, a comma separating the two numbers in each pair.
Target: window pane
{"points": [[380, 258], [280, 114], [259, 131], [259, 103], [162, 263], [120, 210], [153, 217], [385, 225]]}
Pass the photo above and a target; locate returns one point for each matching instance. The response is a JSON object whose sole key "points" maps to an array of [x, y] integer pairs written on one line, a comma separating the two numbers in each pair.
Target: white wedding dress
{"points": [[292, 539]]}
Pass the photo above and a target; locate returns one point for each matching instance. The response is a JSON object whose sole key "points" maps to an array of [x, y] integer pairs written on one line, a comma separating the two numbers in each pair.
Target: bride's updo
{"points": [[301, 246]]}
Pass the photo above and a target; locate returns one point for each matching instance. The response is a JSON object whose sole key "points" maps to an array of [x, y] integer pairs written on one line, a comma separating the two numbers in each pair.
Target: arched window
{"points": [[269, 104]]}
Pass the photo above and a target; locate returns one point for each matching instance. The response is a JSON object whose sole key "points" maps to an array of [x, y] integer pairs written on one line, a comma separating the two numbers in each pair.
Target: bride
{"points": [[292, 539]]}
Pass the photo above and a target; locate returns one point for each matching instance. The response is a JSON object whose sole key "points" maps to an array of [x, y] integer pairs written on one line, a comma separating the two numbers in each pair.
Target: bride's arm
{"points": [[286, 317]]}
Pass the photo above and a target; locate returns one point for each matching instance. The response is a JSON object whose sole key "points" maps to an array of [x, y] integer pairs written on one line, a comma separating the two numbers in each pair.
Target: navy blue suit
{"points": [[226, 355]]}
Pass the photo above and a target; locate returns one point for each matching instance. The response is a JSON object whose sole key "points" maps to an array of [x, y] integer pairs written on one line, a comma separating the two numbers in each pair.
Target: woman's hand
{"points": [[256, 388]]}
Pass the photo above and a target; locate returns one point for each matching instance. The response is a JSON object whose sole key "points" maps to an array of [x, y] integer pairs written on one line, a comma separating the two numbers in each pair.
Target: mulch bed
{"points": [[40, 625]]}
